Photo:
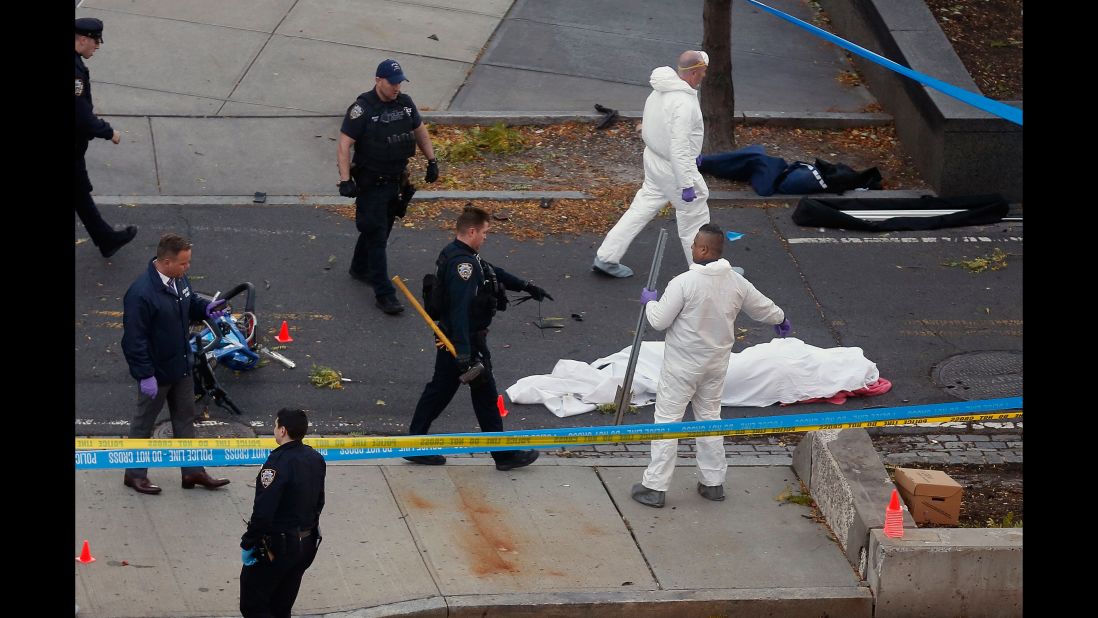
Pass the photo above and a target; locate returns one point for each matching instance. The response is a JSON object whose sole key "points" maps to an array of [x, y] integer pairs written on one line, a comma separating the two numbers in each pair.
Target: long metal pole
{"points": [[625, 395]]}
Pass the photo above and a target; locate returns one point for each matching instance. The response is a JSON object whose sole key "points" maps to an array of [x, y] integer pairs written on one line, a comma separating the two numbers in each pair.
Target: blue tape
{"points": [[169, 458], [998, 108]]}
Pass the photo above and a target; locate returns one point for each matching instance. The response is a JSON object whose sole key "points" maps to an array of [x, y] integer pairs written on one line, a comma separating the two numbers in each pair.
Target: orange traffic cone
{"points": [[894, 518], [499, 404], [85, 554], [284, 334]]}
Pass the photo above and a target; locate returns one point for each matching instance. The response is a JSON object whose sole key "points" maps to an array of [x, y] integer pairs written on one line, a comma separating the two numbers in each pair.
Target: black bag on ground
{"points": [[974, 210]]}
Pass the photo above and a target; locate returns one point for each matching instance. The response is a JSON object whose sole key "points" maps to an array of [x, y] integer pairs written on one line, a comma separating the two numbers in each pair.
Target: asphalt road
{"points": [[889, 294]]}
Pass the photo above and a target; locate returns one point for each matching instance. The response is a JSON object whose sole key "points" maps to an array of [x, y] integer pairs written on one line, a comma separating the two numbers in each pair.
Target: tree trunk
{"points": [[718, 102]]}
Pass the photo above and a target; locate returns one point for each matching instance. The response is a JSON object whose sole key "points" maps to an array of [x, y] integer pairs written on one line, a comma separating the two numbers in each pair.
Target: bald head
{"points": [[708, 244], [692, 66]]}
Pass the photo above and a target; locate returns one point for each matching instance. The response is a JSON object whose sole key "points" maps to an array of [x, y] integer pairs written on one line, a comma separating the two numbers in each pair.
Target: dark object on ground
{"points": [[546, 202], [609, 115], [260, 197], [769, 175], [975, 210]]}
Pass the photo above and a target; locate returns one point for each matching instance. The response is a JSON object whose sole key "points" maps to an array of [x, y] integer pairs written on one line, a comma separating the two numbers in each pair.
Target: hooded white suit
{"points": [[672, 131], [699, 310]]}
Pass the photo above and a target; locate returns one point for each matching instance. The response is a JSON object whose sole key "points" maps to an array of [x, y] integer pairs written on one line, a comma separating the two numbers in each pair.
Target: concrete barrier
{"points": [[850, 486], [959, 149], [971, 572]]}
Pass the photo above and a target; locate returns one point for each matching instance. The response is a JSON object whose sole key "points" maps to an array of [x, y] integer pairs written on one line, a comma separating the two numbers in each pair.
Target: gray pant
{"points": [[180, 398]]}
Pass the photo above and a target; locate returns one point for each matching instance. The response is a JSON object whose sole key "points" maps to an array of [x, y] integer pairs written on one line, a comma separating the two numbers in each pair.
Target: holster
{"points": [[398, 206]]}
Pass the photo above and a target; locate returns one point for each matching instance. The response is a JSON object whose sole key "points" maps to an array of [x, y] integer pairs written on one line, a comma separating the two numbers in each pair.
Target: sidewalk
{"points": [[230, 98], [463, 538]]}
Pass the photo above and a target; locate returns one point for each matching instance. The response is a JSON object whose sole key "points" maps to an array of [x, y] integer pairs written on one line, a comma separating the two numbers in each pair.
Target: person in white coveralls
{"points": [[698, 310], [672, 131]]}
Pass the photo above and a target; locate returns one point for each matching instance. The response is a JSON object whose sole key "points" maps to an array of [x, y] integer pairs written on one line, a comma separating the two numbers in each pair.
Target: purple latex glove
{"points": [[148, 386], [647, 295], [211, 309], [698, 161], [783, 329], [688, 194]]}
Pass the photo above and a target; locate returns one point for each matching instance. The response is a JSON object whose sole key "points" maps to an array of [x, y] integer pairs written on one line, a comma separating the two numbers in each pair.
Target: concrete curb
{"points": [[800, 120], [717, 198], [855, 602]]}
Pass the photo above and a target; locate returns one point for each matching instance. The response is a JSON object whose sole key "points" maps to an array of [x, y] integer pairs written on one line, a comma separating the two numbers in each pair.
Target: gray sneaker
{"points": [[714, 493], [610, 268], [648, 497]]}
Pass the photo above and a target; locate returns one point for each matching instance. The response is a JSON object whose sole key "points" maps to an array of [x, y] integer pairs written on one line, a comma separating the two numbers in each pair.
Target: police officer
{"points": [[89, 36], [472, 290], [282, 536], [384, 126]]}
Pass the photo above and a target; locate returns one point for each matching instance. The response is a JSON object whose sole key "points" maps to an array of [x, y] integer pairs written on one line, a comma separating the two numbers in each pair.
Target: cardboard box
{"points": [[931, 495]]}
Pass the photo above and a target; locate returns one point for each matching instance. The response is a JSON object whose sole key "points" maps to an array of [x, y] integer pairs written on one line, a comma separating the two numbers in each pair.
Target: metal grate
{"points": [[980, 375]]}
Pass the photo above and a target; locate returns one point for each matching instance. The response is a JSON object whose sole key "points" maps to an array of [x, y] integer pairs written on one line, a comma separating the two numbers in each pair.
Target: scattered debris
{"points": [[325, 377], [993, 261]]}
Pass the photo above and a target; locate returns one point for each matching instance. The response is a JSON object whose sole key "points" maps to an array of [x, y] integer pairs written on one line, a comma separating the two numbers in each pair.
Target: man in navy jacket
{"points": [[158, 310]]}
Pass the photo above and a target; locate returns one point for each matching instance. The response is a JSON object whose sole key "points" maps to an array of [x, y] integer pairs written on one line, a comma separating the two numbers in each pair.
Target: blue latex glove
{"points": [[247, 556], [783, 329], [647, 295], [211, 309], [688, 194], [148, 386]]}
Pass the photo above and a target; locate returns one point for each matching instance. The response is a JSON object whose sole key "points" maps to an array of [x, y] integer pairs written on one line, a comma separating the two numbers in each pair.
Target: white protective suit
{"points": [[672, 131], [699, 310]]}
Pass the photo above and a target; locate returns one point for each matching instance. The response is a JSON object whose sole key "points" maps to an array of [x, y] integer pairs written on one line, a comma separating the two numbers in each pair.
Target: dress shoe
{"points": [[648, 497], [121, 239], [714, 493], [390, 305], [141, 485], [203, 479], [612, 269], [427, 460], [521, 458]]}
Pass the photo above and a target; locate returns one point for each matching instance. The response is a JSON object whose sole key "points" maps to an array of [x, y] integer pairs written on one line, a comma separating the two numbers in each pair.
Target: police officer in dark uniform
{"points": [[471, 290], [384, 126], [282, 536], [89, 36]]}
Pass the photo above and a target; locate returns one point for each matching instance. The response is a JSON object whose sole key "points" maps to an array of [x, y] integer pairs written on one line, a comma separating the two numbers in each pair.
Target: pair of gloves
{"points": [[781, 330], [348, 188], [148, 386]]}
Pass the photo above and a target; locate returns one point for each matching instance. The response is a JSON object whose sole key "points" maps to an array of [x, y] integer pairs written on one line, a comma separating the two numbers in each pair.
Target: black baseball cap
{"points": [[90, 27]]}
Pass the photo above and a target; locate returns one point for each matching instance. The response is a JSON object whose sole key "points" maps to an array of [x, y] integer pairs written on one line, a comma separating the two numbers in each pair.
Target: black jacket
{"points": [[289, 492], [88, 125], [156, 327], [469, 304]]}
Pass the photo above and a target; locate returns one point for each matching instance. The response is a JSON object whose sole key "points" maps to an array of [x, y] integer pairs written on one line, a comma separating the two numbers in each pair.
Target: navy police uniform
{"points": [[289, 496], [473, 291], [88, 127], [384, 141]]}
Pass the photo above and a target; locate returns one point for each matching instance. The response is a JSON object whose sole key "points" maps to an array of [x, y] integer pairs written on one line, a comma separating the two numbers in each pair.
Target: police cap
{"points": [[90, 27]]}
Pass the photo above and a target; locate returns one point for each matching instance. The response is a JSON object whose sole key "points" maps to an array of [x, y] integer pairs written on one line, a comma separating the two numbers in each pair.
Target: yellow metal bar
{"points": [[415, 303]]}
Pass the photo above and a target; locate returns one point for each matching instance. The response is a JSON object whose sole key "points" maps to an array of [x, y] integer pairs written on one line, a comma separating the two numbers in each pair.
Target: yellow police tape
{"points": [[486, 439]]}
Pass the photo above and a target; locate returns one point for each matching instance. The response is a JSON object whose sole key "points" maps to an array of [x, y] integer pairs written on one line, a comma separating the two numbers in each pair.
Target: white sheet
{"points": [[780, 371]]}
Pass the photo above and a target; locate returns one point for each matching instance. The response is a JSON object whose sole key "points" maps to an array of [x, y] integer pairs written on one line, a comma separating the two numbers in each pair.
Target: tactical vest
{"points": [[385, 142], [491, 295]]}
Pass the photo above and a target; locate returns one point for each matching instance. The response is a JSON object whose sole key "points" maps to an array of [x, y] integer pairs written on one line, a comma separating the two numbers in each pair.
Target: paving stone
{"points": [[1009, 458], [1013, 444], [974, 437], [943, 437], [995, 444]]}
